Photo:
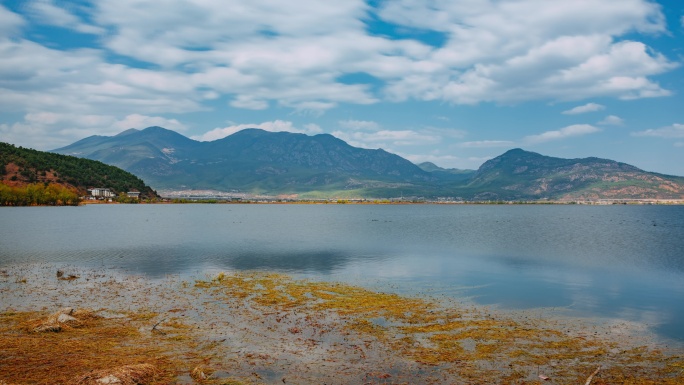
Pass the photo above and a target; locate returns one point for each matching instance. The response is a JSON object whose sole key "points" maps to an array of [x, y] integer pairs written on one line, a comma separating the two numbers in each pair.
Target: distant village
{"points": [[212, 196], [106, 194]]}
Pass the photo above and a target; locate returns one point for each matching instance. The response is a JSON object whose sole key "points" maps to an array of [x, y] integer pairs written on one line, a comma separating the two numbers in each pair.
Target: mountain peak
{"points": [[127, 132], [154, 128], [429, 166], [519, 152], [260, 161]]}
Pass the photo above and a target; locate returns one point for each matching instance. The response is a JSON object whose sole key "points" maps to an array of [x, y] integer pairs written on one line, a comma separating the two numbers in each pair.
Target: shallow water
{"points": [[624, 262]]}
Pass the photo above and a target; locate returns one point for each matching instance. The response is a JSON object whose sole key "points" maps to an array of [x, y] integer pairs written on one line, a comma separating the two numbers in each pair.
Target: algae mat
{"points": [[260, 328]]}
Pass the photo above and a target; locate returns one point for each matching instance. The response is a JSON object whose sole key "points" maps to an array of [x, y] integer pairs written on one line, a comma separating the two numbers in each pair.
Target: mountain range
{"points": [[261, 162]]}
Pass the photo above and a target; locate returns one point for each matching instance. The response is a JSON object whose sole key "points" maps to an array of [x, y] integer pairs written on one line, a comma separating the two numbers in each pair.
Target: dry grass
{"points": [[251, 328], [123, 375], [93, 345]]}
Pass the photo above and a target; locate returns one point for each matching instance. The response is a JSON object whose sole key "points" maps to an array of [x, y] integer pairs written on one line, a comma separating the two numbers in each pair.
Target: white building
{"points": [[101, 192]]}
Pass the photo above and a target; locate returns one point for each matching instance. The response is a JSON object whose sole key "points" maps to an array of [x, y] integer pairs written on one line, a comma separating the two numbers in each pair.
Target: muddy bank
{"points": [[269, 328]]}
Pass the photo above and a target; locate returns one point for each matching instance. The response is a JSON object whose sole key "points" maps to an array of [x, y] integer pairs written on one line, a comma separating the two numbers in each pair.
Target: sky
{"points": [[454, 82]]}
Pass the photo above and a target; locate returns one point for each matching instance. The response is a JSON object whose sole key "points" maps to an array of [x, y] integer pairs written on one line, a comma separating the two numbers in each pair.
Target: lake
{"points": [[606, 262]]}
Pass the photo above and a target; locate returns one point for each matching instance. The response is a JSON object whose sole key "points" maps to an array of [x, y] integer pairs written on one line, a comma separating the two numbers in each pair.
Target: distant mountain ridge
{"points": [[519, 174], [261, 162], [251, 160]]}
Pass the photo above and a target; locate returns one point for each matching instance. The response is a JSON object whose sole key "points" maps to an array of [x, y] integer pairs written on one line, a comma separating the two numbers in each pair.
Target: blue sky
{"points": [[455, 82]]}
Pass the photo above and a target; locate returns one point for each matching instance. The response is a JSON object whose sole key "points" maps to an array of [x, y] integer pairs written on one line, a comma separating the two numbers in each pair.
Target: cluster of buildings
{"points": [[107, 194]]}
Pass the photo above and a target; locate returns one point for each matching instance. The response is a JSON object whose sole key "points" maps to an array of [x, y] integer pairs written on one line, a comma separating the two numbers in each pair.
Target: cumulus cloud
{"points": [[141, 121], [589, 107], [565, 132], [370, 134], [486, 144], [49, 130], [273, 126], [612, 120], [359, 125], [10, 22], [525, 50], [312, 129], [80, 81], [46, 12], [386, 139], [676, 130], [294, 53], [249, 102], [266, 54]]}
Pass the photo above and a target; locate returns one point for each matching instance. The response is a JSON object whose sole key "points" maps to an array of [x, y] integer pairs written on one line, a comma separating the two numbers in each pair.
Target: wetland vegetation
{"points": [[257, 327]]}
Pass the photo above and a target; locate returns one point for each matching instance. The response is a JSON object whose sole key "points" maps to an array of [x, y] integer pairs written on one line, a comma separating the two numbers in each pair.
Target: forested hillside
{"points": [[23, 169]]}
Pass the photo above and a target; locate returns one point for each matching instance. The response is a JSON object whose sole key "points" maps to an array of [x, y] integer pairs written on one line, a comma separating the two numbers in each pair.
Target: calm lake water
{"points": [[624, 262]]}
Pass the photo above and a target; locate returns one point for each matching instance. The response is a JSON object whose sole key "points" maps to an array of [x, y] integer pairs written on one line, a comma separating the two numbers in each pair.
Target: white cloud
{"points": [[266, 54], [141, 121], [356, 125], [530, 49], [459, 17], [80, 81], [312, 129], [70, 120], [589, 107], [612, 120], [370, 134], [448, 161], [565, 132], [249, 103], [273, 126], [293, 53], [676, 130], [386, 139], [486, 144], [50, 130], [315, 108], [48, 13], [10, 22], [27, 135]]}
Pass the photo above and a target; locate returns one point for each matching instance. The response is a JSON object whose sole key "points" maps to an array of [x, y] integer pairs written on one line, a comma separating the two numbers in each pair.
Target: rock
{"points": [[48, 328], [65, 319], [122, 375], [109, 380], [66, 310]]}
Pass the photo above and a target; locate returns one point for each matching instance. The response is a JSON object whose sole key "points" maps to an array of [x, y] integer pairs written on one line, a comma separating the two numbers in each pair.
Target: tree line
{"points": [[38, 194], [69, 170]]}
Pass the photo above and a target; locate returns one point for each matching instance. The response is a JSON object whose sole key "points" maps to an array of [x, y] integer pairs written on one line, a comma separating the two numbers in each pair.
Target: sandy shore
{"points": [[246, 328]]}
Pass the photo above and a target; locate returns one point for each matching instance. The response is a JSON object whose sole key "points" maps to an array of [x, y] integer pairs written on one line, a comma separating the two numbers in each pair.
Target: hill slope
{"points": [[257, 161], [21, 166], [251, 160], [519, 174], [447, 174]]}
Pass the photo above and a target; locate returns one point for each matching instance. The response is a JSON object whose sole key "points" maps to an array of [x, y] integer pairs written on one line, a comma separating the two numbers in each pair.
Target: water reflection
{"points": [[595, 261]]}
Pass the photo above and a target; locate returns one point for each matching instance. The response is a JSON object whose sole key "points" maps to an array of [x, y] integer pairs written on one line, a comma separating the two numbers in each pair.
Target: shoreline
{"points": [[655, 202], [270, 328]]}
